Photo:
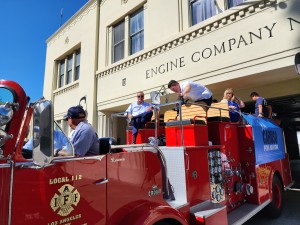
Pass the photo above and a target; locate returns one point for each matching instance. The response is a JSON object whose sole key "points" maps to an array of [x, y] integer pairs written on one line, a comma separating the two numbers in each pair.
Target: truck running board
{"points": [[209, 213], [245, 212]]}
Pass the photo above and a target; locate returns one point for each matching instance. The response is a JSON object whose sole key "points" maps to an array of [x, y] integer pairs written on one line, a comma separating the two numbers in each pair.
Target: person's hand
{"points": [[63, 152], [56, 150], [150, 108]]}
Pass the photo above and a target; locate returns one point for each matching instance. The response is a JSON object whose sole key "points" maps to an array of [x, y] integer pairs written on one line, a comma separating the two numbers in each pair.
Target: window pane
{"points": [[77, 65], [232, 3], [137, 22], [69, 69], [61, 73], [118, 41], [119, 52], [202, 10], [137, 42], [137, 31]]}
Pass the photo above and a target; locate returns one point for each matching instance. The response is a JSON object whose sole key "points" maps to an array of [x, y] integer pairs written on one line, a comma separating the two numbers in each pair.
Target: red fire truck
{"points": [[207, 171]]}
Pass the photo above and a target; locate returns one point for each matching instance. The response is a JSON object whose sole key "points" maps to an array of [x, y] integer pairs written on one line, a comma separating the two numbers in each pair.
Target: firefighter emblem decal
{"points": [[63, 202]]}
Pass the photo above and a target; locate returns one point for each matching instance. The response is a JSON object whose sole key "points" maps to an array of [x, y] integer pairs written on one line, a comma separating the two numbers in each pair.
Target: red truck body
{"points": [[139, 184]]}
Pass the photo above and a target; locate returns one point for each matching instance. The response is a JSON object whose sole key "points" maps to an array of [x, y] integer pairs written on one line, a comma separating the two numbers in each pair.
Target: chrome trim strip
{"points": [[288, 187], [6, 165], [103, 181], [31, 164], [12, 164]]}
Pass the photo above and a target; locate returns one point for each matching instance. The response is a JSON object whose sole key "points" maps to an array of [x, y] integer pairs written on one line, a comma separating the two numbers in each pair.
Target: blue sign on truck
{"points": [[268, 139]]}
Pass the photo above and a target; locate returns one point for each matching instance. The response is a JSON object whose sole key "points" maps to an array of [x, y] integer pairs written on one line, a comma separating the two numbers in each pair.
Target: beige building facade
{"points": [[111, 49]]}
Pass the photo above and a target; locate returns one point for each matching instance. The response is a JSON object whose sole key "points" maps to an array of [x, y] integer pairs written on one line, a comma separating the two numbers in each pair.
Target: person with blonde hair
{"points": [[234, 104]]}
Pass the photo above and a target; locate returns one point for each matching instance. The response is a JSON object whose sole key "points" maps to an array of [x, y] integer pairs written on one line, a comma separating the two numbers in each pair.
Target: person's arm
{"points": [[269, 111], [29, 144], [186, 90], [240, 103], [260, 111], [150, 107], [129, 111]]}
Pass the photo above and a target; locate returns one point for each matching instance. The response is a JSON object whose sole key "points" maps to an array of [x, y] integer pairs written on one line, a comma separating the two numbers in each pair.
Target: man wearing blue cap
{"points": [[84, 138]]}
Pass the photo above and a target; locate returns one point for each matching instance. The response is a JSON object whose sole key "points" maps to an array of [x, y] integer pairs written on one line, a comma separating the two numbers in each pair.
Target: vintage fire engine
{"points": [[205, 170]]}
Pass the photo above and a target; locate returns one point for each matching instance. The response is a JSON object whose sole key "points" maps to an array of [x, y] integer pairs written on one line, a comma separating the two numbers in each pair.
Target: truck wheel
{"points": [[273, 210]]}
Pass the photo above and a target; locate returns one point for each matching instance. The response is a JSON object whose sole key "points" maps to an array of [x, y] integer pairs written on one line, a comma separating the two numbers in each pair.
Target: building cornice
{"points": [[66, 88], [199, 30], [77, 17]]}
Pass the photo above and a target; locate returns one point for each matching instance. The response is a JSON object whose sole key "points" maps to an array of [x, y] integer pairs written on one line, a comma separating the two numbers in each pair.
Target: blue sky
{"points": [[25, 25]]}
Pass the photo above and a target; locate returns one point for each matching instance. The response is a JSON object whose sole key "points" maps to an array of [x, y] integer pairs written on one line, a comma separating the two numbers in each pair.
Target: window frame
{"points": [[138, 32], [120, 43], [69, 73], [68, 69], [61, 77], [77, 64]]}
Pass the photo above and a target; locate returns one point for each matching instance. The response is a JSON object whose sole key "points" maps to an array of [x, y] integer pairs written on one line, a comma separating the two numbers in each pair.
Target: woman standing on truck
{"points": [[234, 104]]}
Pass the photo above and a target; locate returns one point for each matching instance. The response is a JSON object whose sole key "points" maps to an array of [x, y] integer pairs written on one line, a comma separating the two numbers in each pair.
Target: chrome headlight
{"points": [[5, 115], [3, 137]]}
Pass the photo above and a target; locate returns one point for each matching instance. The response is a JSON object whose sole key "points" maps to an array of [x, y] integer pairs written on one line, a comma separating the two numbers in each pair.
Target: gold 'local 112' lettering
{"points": [[59, 180]]}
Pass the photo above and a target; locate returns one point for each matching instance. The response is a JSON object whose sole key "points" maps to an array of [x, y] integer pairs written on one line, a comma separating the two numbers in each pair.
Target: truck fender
{"points": [[274, 208], [150, 214]]}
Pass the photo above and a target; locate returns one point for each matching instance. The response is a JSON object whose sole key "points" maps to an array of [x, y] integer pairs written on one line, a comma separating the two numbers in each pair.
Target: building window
{"points": [[118, 41], [137, 31], [61, 73], [77, 65], [69, 69], [202, 10], [232, 3], [66, 67]]}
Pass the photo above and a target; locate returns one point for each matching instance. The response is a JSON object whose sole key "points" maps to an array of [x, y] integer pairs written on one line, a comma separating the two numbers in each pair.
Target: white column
{"points": [[109, 46], [104, 125], [126, 37]]}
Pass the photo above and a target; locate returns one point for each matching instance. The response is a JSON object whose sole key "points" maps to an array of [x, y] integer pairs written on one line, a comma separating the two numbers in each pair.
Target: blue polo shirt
{"points": [[137, 109], [85, 140]]}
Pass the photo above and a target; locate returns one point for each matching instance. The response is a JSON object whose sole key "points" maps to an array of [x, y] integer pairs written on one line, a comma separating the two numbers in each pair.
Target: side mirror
{"points": [[297, 62]]}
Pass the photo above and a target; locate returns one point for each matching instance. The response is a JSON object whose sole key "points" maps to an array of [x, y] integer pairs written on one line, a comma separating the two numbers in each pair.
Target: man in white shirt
{"points": [[191, 90], [139, 113]]}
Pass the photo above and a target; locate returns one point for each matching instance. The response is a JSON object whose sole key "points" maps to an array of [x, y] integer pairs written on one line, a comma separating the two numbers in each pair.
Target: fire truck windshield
{"points": [[46, 137]]}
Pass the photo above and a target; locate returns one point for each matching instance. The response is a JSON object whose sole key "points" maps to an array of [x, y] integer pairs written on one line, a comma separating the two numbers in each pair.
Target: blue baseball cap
{"points": [[75, 112]]}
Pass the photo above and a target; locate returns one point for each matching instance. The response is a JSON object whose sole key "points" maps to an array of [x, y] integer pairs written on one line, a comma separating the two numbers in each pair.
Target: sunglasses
{"points": [[140, 96]]}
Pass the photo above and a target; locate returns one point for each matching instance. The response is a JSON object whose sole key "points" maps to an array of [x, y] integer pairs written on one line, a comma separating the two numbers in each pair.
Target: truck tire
{"points": [[273, 210]]}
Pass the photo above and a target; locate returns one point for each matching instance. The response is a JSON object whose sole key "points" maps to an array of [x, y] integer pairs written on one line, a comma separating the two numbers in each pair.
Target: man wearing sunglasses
{"points": [[139, 113]]}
